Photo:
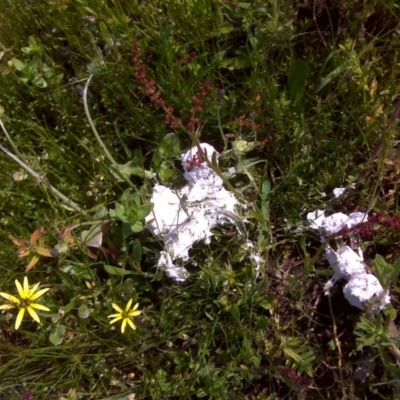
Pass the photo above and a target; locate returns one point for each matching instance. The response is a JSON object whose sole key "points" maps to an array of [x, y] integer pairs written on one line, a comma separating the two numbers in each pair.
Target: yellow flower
{"points": [[27, 296], [35, 246], [126, 315]]}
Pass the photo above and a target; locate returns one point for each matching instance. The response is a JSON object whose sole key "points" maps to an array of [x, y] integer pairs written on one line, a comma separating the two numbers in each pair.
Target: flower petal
{"points": [[36, 235], [135, 306], [7, 306], [116, 319], [44, 251], [36, 295], [134, 313], [32, 263], [10, 297], [131, 324], [114, 315], [20, 242], [123, 325], [33, 290], [128, 305], [39, 307], [33, 314], [19, 318], [26, 285], [116, 307], [23, 252], [20, 289]]}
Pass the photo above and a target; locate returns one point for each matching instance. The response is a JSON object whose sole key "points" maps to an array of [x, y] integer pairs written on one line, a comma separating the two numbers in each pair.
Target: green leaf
{"points": [[136, 251], [246, 344], [262, 324], [39, 81], [256, 361], [265, 193], [396, 269], [243, 61], [103, 29], [224, 28], [69, 306], [126, 229], [18, 65], [165, 172], [169, 146], [122, 172], [56, 336], [292, 354], [383, 271], [119, 213], [117, 271], [144, 210], [298, 74], [330, 77], [267, 303], [32, 66], [235, 312], [391, 311], [137, 227]]}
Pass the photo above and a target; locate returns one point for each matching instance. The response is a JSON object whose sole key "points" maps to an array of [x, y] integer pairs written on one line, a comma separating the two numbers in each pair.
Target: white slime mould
{"points": [[185, 216], [347, 264]]}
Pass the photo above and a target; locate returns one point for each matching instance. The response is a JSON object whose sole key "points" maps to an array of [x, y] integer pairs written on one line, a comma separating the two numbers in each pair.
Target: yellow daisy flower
{"points": [[25, 302], [125, 315]]}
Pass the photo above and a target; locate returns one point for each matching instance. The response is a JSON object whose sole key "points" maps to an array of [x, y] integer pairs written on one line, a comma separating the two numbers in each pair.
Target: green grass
{"points": [[315, 86]]}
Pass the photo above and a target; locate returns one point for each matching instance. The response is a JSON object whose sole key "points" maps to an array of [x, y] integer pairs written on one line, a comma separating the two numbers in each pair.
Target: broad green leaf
{"points": [[235, 312], [122, 172], [224, 28], [383, 271], [144, 210], [256, 361], [262, 323], [265, 193], [298, 74], [56, 336], [267, 303], [169, 146], [18, 65], [391, 311], [117, 271], [33, 64], [396, 268], [165, 172], [39, 81], [246, 343], [119, 213], [137, 227], [69, 306], [103, 29], [136, 251]]}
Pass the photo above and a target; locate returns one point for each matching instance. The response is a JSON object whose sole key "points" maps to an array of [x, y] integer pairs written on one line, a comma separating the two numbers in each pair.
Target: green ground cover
{"points": [[307, 90]]}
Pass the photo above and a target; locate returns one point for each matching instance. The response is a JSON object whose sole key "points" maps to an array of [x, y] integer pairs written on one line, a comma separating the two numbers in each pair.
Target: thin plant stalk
{"points": [[224, 139], [114, 164], [94, 130], [56, 192], [14, 147]]}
